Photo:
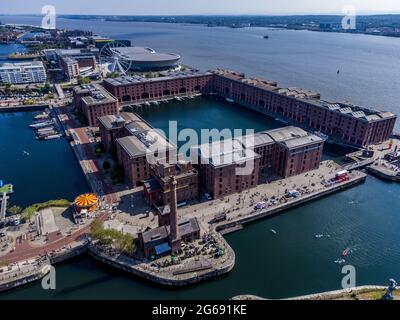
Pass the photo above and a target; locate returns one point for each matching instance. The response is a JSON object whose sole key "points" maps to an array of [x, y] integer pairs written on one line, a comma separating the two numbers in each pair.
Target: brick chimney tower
{"points": [[174, 233]]}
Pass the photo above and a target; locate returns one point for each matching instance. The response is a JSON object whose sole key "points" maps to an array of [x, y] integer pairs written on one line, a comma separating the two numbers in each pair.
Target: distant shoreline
{"points": [[383, 25], [240, 22]]}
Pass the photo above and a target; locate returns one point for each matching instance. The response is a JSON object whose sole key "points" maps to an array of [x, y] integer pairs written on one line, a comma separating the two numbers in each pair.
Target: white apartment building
{"points": [[23, 72]]}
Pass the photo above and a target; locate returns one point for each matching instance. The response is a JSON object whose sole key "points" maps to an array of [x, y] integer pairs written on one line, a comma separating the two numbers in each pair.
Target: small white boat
{"points": [[41, 116], [273, 231], [41, 124], [230, 100], [340, 261], [54, 136], [45, 129]]}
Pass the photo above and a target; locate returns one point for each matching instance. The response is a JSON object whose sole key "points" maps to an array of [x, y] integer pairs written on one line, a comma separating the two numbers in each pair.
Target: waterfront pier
{"points": [[4, 194], [381, 160]]}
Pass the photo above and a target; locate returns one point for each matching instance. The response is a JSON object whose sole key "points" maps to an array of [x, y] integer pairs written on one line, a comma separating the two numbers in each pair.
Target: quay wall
{"points": [[170, 281], [24, 279], [37, 107], [69, 254], [292, 204], [380, 174], [328, 295], [190, 279]]}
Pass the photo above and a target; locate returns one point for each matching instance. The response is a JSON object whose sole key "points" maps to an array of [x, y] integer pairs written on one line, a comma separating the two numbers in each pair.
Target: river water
{"points": [[292, 262]]}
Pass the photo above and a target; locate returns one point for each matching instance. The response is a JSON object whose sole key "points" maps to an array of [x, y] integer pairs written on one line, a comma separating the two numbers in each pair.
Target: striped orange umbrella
{"points": [[86, 200]]}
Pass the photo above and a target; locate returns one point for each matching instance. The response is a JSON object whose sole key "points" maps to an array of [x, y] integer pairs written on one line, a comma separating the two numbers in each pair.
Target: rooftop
{"points": [[298, 93], [143, 54], [237, 76], [286, 133], [188, 226], [350, 109], [92, 94], [258, 139], [301, 141], [143, 139], [167, 75], [112, 121], [155, 236], [225, 152], [161, 234], [30, 64], [76, 52], [308, 96]]}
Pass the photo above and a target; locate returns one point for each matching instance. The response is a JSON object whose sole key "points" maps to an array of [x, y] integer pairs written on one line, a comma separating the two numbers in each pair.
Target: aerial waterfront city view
{"points": [[199, 152]]}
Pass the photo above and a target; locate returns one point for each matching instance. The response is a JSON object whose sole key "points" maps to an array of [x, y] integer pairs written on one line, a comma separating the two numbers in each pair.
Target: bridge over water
{"points": [[358, 164]]}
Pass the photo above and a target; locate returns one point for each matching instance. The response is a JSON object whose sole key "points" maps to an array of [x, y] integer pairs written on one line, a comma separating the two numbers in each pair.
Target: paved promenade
{"points": [[83, 147]]}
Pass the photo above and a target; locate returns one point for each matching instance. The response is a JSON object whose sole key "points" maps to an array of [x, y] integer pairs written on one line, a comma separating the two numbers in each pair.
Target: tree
{"points": [[117, 173], [120, 241], [14, 210], [47, 87], [83, 80], [106, 165]]}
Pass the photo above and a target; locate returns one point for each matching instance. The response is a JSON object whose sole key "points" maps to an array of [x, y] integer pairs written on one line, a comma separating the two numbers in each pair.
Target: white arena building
{"points": [[142, 58]]}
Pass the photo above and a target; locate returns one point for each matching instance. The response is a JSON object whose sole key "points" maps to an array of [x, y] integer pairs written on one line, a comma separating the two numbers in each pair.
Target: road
{"points": [[25, 251]]}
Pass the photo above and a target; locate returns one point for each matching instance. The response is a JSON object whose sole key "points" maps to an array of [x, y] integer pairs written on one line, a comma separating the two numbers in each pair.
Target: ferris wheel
{"points": [[110, 57]]}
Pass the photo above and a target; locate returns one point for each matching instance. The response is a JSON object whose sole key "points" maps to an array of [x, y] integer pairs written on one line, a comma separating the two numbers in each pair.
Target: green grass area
{"points": [[6, 189], [30, 211], [377, 295], [120, 241]]}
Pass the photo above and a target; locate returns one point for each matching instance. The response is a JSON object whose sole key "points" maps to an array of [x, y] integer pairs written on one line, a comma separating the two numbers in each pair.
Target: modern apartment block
{"points": [[94, 102], [341, 122], [72, 61], [23, 72]]}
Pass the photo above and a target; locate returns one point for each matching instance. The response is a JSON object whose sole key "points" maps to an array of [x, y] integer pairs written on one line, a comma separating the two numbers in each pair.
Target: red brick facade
{"points": [[159, 88], [94, 102], [343, 123]]}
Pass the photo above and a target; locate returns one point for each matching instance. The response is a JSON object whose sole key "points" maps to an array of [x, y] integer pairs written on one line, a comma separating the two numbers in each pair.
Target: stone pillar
{"points": [[174, 233]]}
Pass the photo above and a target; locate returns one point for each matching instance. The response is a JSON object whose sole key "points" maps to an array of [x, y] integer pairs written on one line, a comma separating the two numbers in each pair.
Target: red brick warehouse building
{"points": [[139, 89], [344, 123], [94, 102], [283, 152]]}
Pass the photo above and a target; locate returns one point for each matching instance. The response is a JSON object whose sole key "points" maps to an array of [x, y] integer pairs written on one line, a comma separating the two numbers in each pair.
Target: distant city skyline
{"points": [[203, 7]]}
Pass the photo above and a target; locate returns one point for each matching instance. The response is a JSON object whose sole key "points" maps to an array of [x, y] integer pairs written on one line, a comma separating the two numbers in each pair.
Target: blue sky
{"points": [[177, 7]]}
